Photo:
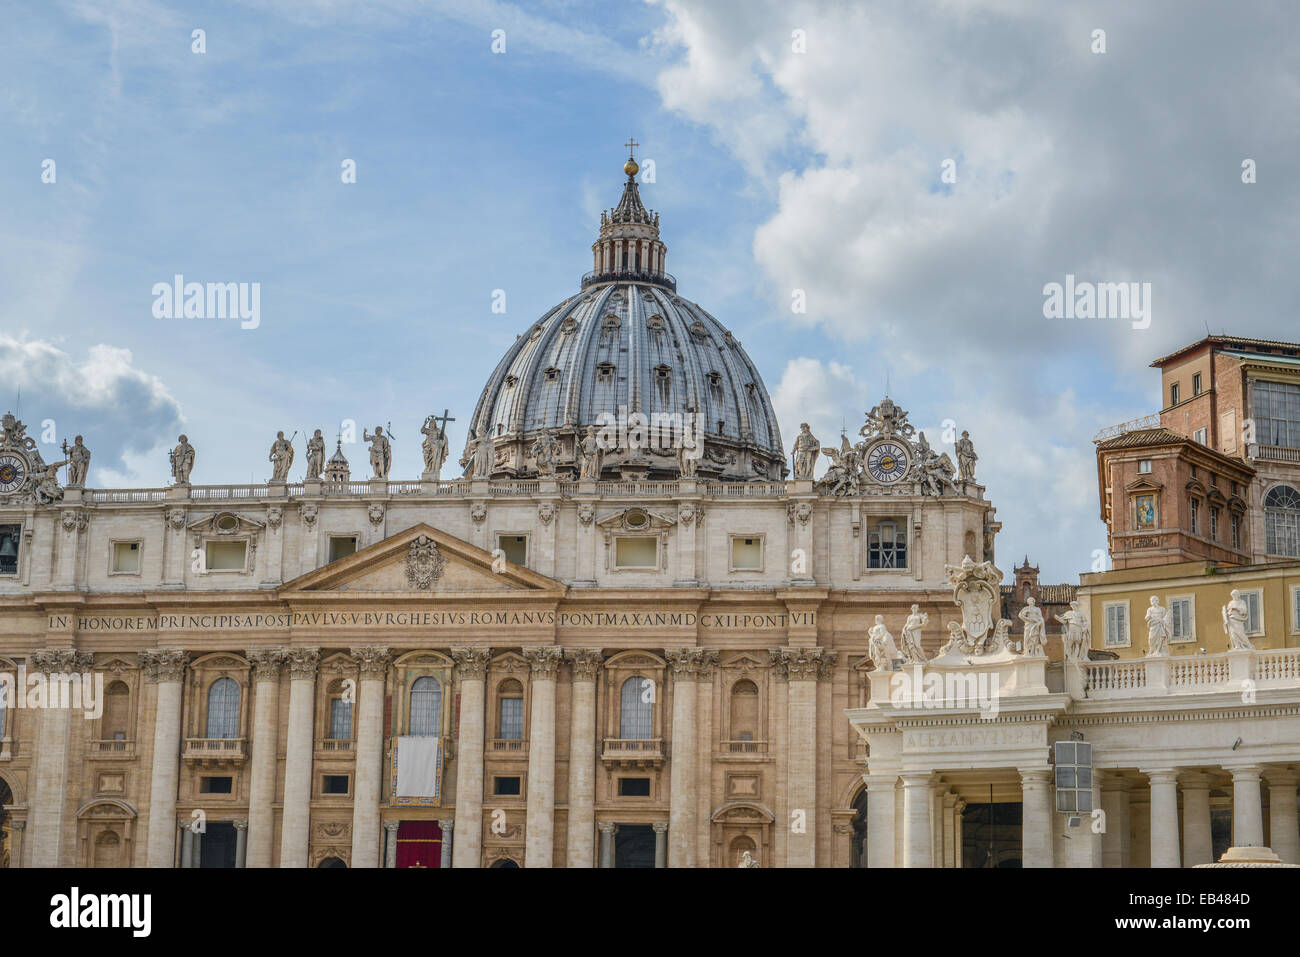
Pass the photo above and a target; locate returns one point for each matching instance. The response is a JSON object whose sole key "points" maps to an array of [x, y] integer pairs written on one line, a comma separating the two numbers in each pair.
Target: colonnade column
{"points": [[689, 665], [1164, 816], [1038, 808], [241, 843], [267, 664], [165, 668], [918, 802], [959, 811], [373, 663], [16, 831], [1115, 806], [1247, 807], [584, 663], [448, 844], [880, 819], [390, 843], [295, 826], [471, 668], [49, 795], [1198, 847], [661, 843], [539, 833], [1282, 825], [802, 668], [950, 829], [606, 843]]}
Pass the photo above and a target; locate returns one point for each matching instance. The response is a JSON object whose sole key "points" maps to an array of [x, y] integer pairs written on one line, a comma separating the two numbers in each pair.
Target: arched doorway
{"points": [[858, 850], [108, 850], [504, 862], [739, 847], [331, 862]]}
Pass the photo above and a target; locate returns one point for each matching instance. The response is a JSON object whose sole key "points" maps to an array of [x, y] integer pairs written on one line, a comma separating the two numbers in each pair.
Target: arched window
{"points": [[744, 710], [223, 709], [510, 710], [117, 702], [636, 711], [340, 717], [426, 706], [1282, 521]]}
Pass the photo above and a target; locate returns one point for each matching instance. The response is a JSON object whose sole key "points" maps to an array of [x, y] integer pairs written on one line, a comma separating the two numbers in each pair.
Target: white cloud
{"points": [[121, 410]]}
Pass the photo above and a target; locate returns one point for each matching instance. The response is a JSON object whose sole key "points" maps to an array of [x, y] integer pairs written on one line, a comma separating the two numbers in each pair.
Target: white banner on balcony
{"points": [[416, 761]]}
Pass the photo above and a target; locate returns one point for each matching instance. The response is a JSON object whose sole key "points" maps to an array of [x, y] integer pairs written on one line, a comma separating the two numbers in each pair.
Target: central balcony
{"points": [[215, 752], [633, 753]]}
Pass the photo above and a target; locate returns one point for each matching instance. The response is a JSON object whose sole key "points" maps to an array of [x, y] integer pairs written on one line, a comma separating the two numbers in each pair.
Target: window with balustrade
{"points": [[223, 709], [425, 716], [116, 722], [1282, 521], [341, 702], [743, 712]]}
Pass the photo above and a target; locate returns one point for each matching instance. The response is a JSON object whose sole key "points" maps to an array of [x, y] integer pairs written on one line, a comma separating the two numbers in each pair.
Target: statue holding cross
{"points": [[435, 444]]}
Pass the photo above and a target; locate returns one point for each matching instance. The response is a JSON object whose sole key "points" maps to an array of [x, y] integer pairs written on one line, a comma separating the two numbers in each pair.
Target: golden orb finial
{"points": [[630, 167]]}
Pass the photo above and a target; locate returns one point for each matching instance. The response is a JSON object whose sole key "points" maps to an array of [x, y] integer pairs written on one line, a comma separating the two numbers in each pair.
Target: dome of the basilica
{"points": [[627, 346]]}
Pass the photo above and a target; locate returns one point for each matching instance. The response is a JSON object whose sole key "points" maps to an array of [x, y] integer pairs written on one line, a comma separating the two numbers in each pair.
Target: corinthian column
{"points": [[471, 667], [295, 827], [689, 666], [802, 668], [373, 660], [582, 757], [266, 731], [539, 834], [55, 667], [166, 669]]}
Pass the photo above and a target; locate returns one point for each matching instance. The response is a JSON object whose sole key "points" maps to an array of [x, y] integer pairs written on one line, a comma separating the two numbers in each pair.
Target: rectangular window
{"points": [[1295, 607], [1117, 623], [126, 558], [334, 784], [1277, 413], [1196, 383], [1173, 394], [505, 786], [1195, 507], [214, 785], [746, 554], [1199, 437], [226, 556], [639, 552], [1254, 611], [887, 546], [341, 546], [514, 547], [633, 787], [9, 549], [340, 719], [512, 719], [1214, 523], [1236, 532], [1180, 612], [1144, 467]]}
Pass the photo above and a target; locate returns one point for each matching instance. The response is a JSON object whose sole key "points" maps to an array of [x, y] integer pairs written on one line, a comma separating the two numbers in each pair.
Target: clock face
{"points": [[13, 472], [887, 462]]}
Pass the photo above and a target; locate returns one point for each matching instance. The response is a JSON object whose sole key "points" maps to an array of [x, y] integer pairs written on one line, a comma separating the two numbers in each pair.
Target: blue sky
{"points": [[775, 170]]}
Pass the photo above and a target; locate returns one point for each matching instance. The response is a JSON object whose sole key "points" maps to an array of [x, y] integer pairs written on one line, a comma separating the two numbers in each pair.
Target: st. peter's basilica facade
{"points": [[634, 632]]}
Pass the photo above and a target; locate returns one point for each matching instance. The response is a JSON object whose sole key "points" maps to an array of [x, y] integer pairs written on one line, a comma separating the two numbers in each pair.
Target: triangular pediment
{"points": [[421, 559], [1143, 485]]}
